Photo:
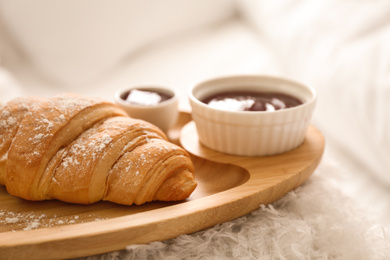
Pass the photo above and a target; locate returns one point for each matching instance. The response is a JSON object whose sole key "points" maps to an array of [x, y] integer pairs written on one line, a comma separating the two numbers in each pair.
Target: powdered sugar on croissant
{"points": [[83, 150]]}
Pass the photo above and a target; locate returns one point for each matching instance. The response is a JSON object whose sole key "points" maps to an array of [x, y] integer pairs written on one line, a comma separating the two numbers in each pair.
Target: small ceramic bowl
{"points": [[163, 114], [251, 133]]}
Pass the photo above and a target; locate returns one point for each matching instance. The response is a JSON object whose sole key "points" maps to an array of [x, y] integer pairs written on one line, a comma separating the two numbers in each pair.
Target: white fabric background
{"points": [[342, 49], [74, 41]]}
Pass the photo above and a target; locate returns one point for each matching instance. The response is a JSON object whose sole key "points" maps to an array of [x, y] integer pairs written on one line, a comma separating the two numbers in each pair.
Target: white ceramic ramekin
{"points": [[252, 133], [164, 115]]}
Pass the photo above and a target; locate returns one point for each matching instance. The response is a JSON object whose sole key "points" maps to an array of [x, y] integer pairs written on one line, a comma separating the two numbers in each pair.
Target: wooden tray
{"points": [[228, 187]]}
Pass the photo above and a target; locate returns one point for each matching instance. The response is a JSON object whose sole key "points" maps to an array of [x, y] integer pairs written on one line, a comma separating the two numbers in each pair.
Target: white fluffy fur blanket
{"points": [[316, 221]]}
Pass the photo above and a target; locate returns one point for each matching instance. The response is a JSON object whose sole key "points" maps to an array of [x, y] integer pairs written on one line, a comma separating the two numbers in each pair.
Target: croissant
{"points": [[82, 150]]}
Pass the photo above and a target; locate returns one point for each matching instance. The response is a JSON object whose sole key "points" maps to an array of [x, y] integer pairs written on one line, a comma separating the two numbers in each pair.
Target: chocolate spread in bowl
{"points": [[251, 101], [145, 97]]}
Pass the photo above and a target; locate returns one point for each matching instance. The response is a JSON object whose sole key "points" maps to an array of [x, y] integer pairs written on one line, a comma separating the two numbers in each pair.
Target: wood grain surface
{"points": [[228, 187]]}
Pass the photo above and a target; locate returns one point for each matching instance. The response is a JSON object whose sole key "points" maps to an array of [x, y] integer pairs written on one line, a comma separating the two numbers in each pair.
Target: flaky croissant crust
{"points": [[82, 150]]}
